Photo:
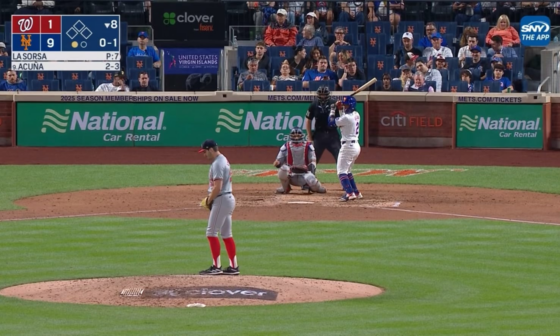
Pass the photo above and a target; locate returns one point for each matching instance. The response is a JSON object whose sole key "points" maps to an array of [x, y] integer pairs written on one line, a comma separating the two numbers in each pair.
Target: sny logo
{"points": [[26, 43], [535, 31]]}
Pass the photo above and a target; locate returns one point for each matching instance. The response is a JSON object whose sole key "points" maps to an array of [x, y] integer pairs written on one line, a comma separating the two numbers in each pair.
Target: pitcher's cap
{"points": [[207, 145]]}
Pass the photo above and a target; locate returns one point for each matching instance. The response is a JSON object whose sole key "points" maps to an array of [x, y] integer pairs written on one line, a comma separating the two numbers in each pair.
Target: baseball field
{"points": [[457, 242]]}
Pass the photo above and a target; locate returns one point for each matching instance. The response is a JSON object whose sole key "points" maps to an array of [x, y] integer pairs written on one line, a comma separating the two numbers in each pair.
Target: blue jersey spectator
{"points": [[322, 73], [143, 49], [12, 82], [505, 83]]}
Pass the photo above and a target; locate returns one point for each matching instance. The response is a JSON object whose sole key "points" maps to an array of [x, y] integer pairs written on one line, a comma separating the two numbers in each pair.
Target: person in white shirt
{"points": [[349, 124], [430, 75], [436, 49], [465, 51], [117, 84]]}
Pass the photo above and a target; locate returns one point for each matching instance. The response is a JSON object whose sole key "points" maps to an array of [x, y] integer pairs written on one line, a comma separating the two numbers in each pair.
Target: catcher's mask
{"points": [[349, 104], [296, 135], [323, 94]]}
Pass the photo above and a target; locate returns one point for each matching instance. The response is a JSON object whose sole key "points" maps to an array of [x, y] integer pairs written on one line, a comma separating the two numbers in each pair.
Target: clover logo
{"points": [[169, 18]]}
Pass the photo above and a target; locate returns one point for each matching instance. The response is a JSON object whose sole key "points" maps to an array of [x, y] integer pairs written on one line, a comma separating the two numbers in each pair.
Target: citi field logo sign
{"points": [[535, 31], [55, 121]]}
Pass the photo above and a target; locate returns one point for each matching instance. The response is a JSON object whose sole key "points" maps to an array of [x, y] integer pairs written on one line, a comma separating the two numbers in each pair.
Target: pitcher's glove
{"points": [[204, 203]]}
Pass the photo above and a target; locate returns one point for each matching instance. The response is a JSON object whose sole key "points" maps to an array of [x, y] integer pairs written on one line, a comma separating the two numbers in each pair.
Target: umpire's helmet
{"points": [[296, 135], [323, 94]]}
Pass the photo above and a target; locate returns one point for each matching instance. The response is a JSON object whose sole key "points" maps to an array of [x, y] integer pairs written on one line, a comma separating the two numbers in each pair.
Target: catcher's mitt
{"points": [[204, 203], [299, 169]]}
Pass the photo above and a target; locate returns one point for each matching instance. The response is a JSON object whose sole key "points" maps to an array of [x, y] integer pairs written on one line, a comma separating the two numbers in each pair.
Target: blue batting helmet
{"points": [[350, 102], [296, 135]]}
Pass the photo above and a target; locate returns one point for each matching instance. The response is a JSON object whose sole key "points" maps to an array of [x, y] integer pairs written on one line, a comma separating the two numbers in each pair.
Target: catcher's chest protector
{"points": [[298, 153]]}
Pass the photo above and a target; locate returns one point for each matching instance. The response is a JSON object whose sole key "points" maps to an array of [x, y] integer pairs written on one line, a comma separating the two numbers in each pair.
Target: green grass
{"points": [[24, 181], [448, 277]]}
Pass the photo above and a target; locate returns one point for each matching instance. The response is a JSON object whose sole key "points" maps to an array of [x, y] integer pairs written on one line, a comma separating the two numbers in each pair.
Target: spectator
{"points": [[406, 76], [257, 7], [252, 74], [504, 8], [494, 60], [286, 74], [338, 40], [324, 11], [3, 51], [311, 19], [510, 36], [295, 11], [372, 7], [339, 62], [309, 39], [407, 47], [467, 12], [505, 83], [477, 65], [465, 51], [410, 60], [261, 56], [420, 84], [143, 49], [298, 61], [441, 63], [70, 7], [322, 73], [352, 11], [498, 50], [312, 61], [144, 80], [350, 72], [36, 8], [466, 76], [385, 83], [12, 82], [396, 9], [535, 8], [118, 84], [269, 13], [436, 49], [426, 41], [429, 74], [280, 32]]}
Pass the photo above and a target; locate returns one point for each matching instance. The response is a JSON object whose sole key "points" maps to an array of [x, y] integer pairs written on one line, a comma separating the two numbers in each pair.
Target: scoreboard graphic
{"points": [[66, 42]]}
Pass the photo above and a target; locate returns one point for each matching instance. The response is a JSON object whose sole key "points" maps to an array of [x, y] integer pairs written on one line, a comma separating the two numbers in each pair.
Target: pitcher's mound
{"points": [[183, 290]]}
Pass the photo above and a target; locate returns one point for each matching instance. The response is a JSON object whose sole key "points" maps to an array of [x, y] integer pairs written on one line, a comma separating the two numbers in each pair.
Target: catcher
{"points": [[296, 163]]}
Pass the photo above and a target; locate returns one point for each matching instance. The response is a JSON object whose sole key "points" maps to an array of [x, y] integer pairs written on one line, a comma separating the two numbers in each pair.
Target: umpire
{"points": [[324, 137]]}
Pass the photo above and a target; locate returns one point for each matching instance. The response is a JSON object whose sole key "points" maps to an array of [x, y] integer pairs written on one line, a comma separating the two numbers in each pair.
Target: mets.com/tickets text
{"points": [[510, 100]]}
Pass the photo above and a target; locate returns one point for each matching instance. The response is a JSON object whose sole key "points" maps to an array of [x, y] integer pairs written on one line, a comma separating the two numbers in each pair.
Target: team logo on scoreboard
{"points": [[25, 24], [25, 42]]}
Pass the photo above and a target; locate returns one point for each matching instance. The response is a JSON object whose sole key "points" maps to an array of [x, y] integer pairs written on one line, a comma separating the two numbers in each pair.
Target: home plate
{"points": [[300, 202]]}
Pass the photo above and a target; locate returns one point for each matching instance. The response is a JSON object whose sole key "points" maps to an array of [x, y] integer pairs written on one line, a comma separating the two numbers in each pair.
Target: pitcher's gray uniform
{"points": [[296, 162], [224, 204]]}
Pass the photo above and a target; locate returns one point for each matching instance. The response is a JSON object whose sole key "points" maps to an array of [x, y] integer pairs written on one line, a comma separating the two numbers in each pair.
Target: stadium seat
{"points": [[134, 73], [447, 27], [325, 51], [3, 74], [139, 62], [243, 52], [444, 74], [378, 27], [458, 86], [378, 65], [275, 63], [103, 76], [396, 85], [395, 73], [39, 75], [1, 37], [5, 62], [452, 63], [8, 32], [314, 85], [124, 33], [75, 75], [77, 85], [282, 52], [44, 85], [351, 29], [432, 84], [487, 86], [414, 27], [515, 66], [376, 44], [352, 85], [251, 85], [444, 86], [289, 86]]}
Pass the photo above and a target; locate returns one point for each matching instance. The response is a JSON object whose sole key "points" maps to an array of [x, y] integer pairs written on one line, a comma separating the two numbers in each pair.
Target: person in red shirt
{"points": [[280, 32]]}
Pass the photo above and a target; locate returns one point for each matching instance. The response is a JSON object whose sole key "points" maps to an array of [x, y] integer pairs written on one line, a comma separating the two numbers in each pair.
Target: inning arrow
{"points": [[107, 25]]}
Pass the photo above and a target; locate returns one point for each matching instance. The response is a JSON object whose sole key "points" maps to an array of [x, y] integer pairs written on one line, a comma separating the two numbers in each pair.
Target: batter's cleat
{"points": [[359, 195], [213, 270], [231, 270], [347, 197]]}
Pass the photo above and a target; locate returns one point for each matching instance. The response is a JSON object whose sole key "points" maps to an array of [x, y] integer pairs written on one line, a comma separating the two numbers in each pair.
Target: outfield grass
{"points": [[447, 277], [24, 181]]}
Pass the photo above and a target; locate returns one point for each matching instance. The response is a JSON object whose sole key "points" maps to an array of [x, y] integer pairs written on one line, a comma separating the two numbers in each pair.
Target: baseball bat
{"points": [[365, 86]]}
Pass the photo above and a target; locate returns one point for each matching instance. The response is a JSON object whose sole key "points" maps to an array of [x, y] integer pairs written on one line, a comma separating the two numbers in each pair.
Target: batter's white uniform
{"points": [[349, 124]]}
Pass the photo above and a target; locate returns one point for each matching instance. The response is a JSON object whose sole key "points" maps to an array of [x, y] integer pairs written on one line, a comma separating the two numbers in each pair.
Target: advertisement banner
{"points": [[191, 69], [159, 124], [187, 21], [499, 126]]}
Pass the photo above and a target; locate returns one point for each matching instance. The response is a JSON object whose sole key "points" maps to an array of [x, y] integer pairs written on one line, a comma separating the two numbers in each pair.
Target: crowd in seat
{"points": [[480, 46]]}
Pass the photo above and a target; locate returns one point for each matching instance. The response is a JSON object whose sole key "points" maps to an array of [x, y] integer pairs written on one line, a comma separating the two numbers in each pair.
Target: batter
{"points": [[349, 124], [221, 203], [296, 164]]}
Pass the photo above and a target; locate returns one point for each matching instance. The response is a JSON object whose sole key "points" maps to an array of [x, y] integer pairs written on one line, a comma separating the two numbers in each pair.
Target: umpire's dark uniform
{"points": [[324, 137]]}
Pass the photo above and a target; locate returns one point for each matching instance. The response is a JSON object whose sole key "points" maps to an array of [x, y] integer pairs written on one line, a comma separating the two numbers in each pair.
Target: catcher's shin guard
{"points": [[284, 177], [314, 184]]}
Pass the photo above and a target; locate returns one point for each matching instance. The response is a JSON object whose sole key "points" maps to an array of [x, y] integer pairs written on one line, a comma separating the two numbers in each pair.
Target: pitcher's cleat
{"points": [[213, 270], [231, 270]]}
